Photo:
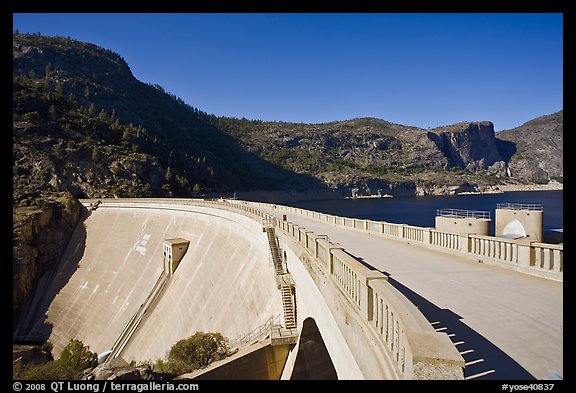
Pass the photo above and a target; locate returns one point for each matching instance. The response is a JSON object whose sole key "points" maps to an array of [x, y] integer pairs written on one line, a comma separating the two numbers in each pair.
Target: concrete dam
{"points": [[245, 272]]}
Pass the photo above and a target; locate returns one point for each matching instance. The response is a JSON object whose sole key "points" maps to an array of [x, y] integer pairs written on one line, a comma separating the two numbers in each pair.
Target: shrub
{"points": [[31, 116], [195, 352], [559, 179], [17, 170], [77, 357], [47, 347], [540, 180], [47, 371], [74, 359]]}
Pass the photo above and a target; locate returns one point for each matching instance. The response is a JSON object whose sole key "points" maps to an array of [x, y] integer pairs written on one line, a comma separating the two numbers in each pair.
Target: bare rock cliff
{"points": [[535, 150], [39, 238], [469, 145]]}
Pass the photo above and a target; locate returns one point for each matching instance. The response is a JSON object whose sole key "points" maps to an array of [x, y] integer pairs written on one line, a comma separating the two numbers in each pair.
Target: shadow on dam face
{"points": [[313, 361], [31, 325]]}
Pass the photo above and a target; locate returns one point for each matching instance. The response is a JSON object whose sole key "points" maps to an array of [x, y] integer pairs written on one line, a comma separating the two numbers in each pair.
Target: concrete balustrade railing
{"points": [[548, 257], [412, 349], [501, 249], [541, 259], [415, 347], [452, 241]]}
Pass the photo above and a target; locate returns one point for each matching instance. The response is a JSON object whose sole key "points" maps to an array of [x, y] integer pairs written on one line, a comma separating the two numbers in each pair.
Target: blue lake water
{"points": [[421, 211]]}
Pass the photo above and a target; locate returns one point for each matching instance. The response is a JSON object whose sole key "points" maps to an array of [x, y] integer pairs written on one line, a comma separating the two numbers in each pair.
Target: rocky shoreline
{"points": [[287, 196], [554, 186]]}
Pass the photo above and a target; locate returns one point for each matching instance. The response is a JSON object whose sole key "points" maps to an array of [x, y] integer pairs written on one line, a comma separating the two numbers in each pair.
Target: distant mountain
{"points": [[372, 156], [84, 124], [535, 150]]}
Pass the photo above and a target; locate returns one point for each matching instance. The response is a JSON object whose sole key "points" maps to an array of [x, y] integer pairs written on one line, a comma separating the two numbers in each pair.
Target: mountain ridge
{"points": [[81, 112]]}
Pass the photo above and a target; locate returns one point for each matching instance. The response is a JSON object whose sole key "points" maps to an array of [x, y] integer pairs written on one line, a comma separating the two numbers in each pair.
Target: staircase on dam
{"points": [[284, 280], [288, 306], [275, 251]]}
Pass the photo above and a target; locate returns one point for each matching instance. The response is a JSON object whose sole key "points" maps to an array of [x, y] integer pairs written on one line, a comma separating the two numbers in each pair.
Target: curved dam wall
{"points": [[223, 284]]}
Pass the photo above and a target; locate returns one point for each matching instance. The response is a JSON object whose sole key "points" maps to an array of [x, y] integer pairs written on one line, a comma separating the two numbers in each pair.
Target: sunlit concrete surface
{"points": [[506, 324]]}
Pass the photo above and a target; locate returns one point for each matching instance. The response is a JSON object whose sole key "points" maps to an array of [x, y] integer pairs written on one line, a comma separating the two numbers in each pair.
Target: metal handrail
{"points": [[520, 206], [256, 333], [462, 213]]}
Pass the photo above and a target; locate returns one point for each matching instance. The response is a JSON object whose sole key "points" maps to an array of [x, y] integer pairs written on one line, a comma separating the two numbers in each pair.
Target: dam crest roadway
{"points": [[376, 300]]}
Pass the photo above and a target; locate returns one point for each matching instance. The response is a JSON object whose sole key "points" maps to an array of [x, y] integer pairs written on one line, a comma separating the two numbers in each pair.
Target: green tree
{"points": [[58, 151], [182, 181], [169, 176], [196, 352], [58, 90], [96, 154], [116, 125], [115, 170], [126, 134], [17, 170], [92, 109], [77, 357], [70, 202], [31, 116], [103, 115], [52, 113], [147, 190]]}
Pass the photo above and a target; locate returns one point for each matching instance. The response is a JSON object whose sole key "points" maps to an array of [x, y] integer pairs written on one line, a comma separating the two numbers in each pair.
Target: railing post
{"points": [[323, 237], [525, 253], [545, 258], [426, 236], [557, 256], [331, 258], [367, 295]]}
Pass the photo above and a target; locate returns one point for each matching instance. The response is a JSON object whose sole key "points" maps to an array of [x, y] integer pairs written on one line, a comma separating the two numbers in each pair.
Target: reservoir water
{"points": [[421, 211]]}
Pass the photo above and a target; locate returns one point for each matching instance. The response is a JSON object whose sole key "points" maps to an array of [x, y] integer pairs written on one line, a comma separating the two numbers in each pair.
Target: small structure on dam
{"points": [[520, 220], [174, 250], [463, 222]]}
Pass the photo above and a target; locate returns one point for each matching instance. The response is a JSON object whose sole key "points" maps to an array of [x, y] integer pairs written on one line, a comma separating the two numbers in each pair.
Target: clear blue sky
{"points": [[423, 70]]}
